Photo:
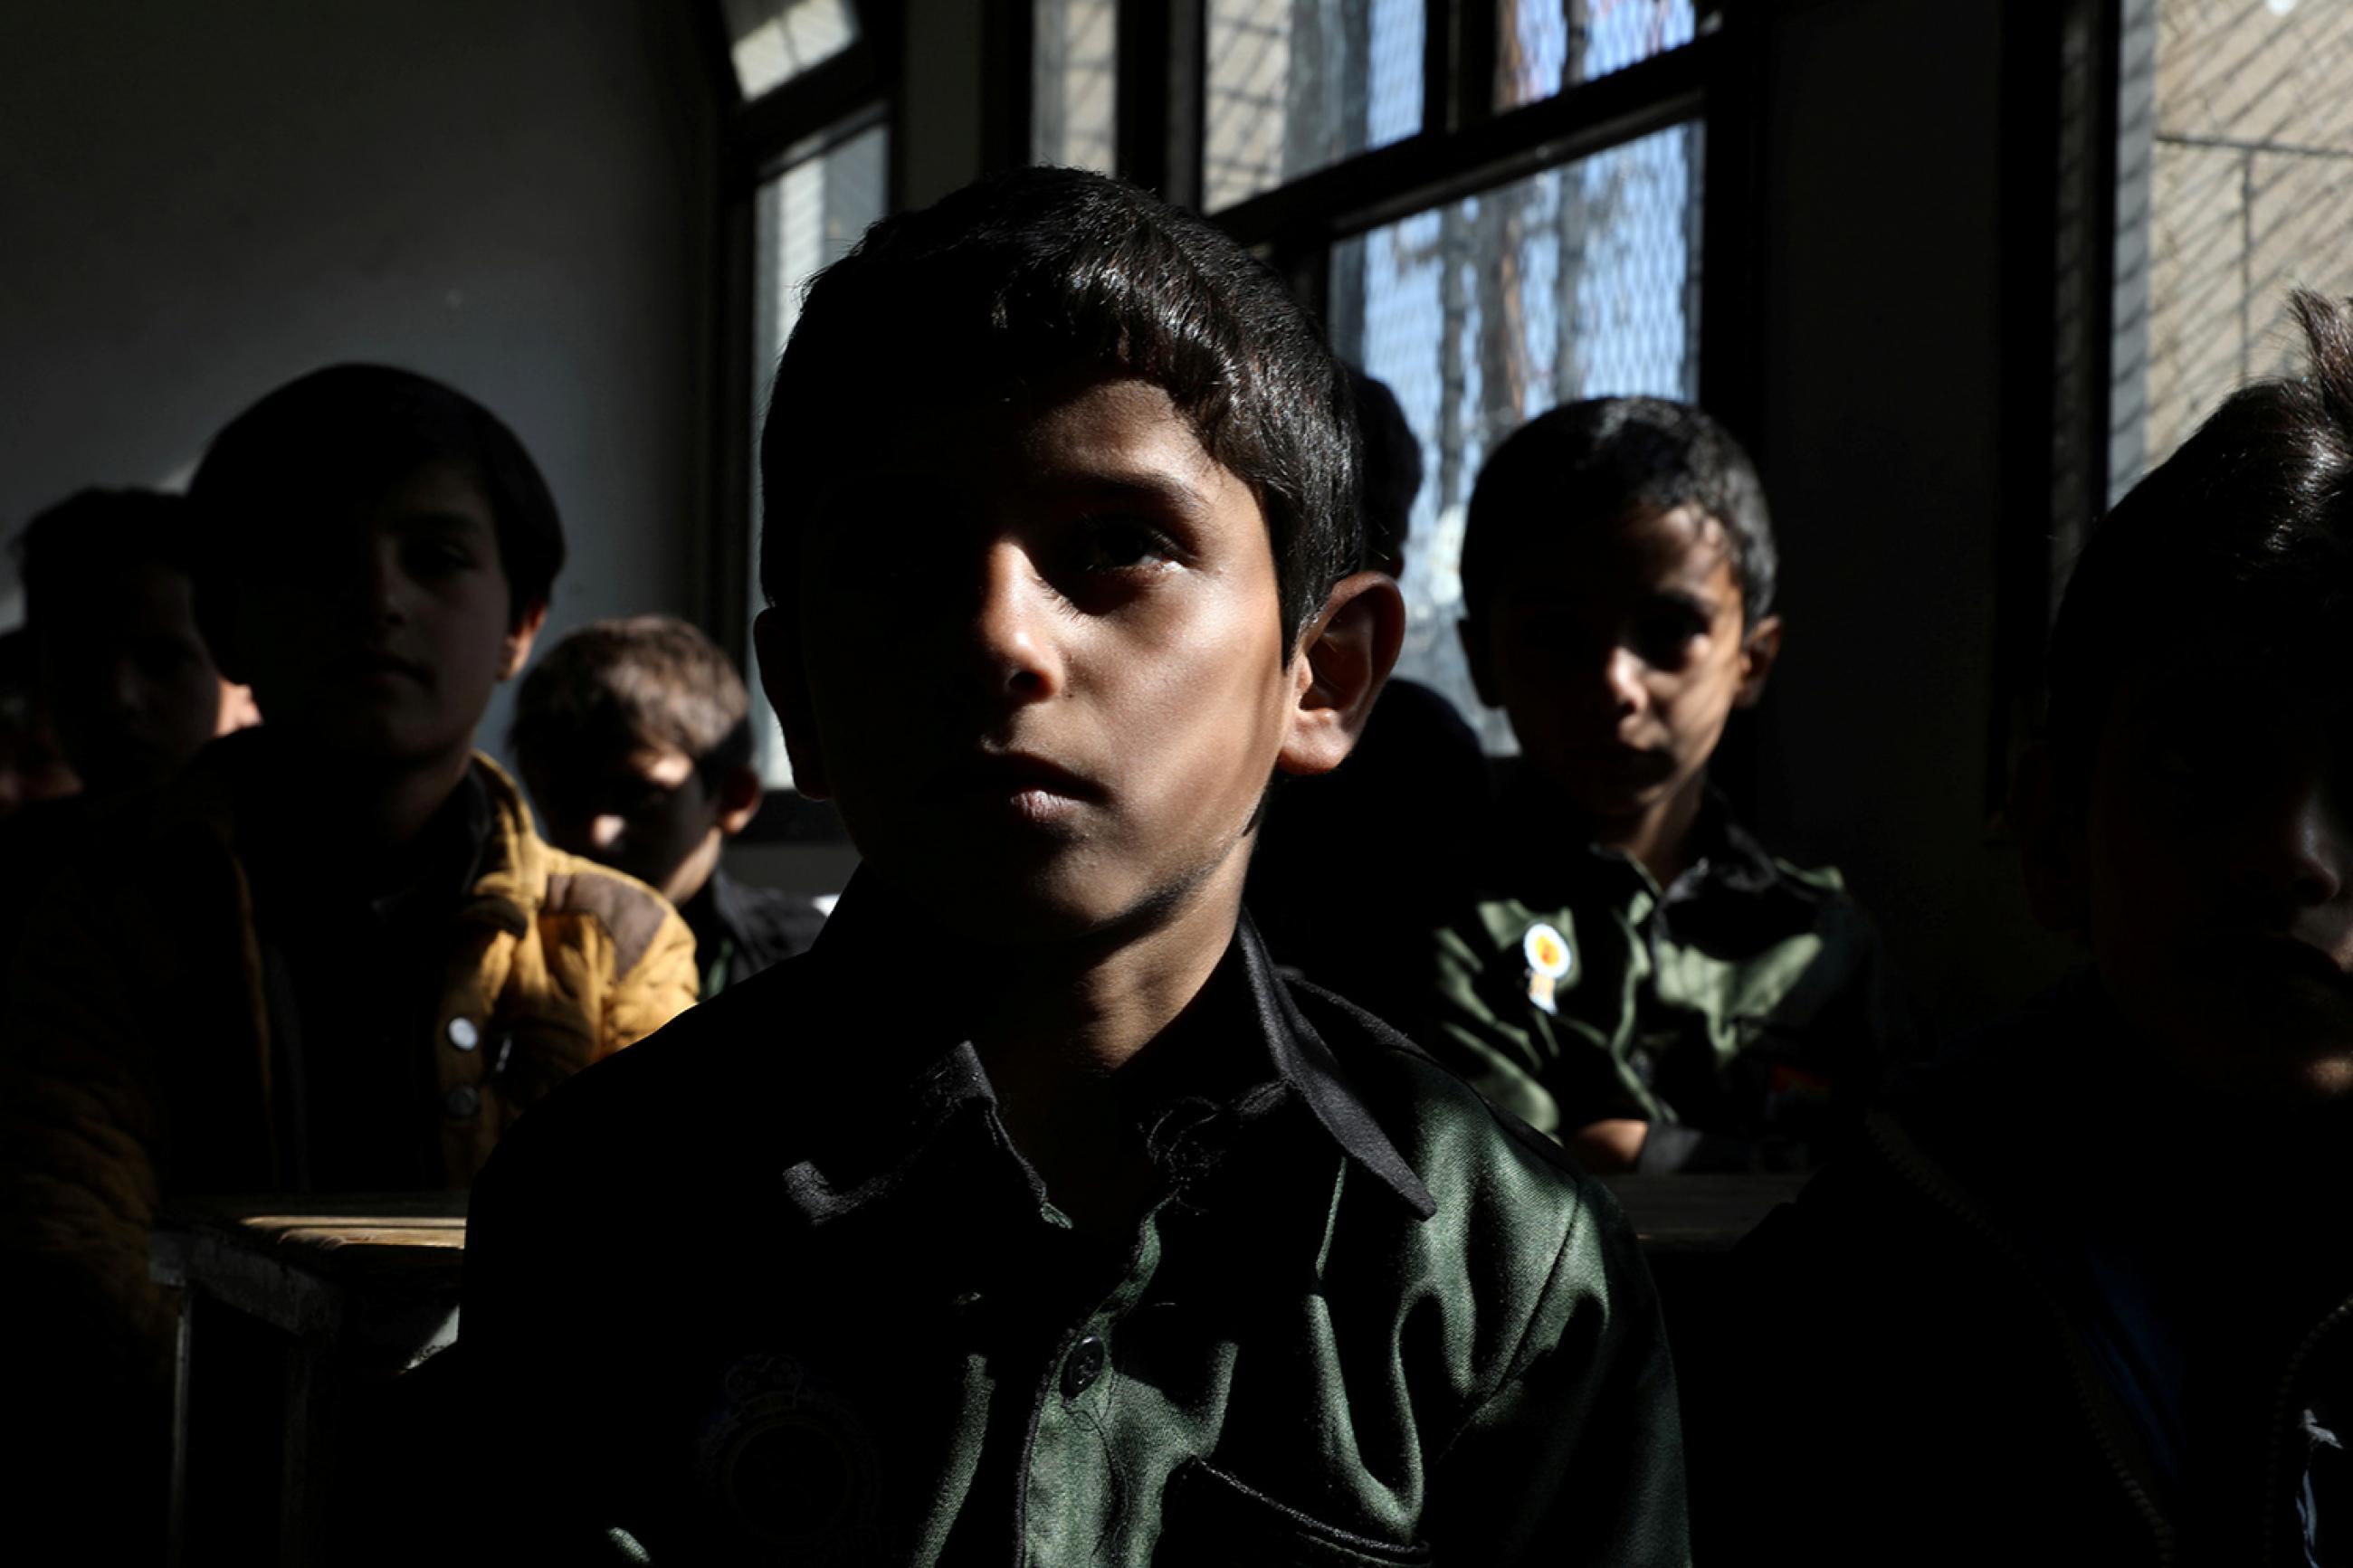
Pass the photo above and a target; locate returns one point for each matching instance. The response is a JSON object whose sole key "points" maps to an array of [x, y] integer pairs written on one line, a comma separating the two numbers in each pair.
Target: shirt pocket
{"points": [[1210, 1518]]}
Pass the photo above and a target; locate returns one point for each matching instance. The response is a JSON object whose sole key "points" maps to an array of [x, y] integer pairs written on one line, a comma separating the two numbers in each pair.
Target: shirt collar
{"points": [[1240, 1057]]}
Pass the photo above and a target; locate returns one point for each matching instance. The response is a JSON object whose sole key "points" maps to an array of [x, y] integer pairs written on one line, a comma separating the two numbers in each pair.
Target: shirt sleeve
{"points": [[1576, 1457]]}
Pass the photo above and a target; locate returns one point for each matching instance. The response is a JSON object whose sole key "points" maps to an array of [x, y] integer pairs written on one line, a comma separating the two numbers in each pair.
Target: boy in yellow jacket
{"points": [[333, 955]]}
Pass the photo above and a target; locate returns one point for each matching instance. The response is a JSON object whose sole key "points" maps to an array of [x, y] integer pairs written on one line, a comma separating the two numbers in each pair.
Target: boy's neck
{"points": [[1063, 1020], [1085, 1008], [368, 808], [1659, 837]]}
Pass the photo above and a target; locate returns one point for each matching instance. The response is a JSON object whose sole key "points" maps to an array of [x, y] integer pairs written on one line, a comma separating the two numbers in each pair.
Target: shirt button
{"points": [[461, 1102], [463, 1035], [1085, 1365]]}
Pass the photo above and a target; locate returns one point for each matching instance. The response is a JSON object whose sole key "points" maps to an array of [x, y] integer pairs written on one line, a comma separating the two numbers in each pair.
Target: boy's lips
{"points": [[1020, 785], [375, 662]]}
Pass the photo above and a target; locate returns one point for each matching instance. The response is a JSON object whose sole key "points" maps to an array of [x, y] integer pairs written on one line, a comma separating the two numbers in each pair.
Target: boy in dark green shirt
{"points": [[1638, 976], [1066, 1230]]}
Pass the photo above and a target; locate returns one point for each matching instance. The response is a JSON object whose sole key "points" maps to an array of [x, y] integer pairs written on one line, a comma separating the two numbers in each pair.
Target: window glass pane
{"points": [[802, 220], [1294, 85], [1072, 101], [1545, 45], [773, 41], [2235, 178], [1578, 282]]}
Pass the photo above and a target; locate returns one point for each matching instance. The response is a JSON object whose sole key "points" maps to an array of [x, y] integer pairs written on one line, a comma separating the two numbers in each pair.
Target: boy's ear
{"points": [[1758, 651], [1344, 655], [520, 637], [776, 639], [1479, 653], [740, 794], [2051, 843]]}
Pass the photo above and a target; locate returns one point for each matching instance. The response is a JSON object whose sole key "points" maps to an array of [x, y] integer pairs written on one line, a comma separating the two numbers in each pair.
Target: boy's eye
{"points": [[1663, 636], [1119, 543]]}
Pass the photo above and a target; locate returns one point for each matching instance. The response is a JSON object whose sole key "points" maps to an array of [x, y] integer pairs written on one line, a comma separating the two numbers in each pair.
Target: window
{"points": [[1495, 204], [1075, 91], [2234, 184], [1545, 46], [770, 42], [804, 218], [1297, 85], [1577, 281]]}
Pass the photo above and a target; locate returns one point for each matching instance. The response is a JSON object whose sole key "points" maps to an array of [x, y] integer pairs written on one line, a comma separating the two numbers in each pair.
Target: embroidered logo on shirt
{"points": [[791, 1462], [1549, 961]]}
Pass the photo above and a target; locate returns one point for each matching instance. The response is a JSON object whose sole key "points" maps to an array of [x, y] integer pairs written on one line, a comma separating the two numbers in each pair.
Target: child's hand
{"points": [[1613, 1144]]}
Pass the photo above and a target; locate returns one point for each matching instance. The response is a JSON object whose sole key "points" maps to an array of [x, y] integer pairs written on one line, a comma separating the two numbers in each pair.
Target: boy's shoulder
{"points": [[1475, 1160]]}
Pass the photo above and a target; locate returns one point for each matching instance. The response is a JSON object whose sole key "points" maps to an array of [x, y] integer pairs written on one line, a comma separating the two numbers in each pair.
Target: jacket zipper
{"points": [[1910, 1162], [2278, 1435]]}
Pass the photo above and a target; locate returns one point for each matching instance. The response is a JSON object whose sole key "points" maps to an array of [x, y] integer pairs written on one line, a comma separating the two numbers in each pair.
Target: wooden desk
{"points": [[307, 1309]]}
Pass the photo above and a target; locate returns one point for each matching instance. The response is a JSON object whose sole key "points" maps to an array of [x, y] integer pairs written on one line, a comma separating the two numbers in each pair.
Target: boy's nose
{"points": [[1013, 627], [1623, 674], [2296, 848], [604, 831]]}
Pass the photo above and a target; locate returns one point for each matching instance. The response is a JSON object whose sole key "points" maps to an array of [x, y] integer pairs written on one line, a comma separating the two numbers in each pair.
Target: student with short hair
{"points": [[1637, 975], [1032, 1216], [333, 956], [2080, 1294], [635, 740], [125, 675]]}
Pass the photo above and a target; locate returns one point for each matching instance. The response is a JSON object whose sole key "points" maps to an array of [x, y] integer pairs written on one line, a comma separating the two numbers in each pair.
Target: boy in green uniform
{"points": [[2081, 1292], [1067, 1230], [1639, 978]]}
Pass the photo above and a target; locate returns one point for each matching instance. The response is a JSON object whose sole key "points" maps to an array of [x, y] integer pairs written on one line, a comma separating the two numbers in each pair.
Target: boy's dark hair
{"points": [[351, 432], [1392, 466], [1593, 462], [638, 681], [78, 551], [1027, 277], [2248, 525]]}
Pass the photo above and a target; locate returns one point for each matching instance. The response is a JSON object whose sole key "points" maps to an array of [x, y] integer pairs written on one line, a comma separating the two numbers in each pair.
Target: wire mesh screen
{"points": [[2236, 183], [1543, 46], [773, 41], [802, 221], [1578, 282], [1295, 85], [1073, 106]]}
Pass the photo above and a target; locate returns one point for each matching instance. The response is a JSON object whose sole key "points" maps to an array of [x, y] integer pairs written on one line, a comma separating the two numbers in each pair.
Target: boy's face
{"points": [[646, 811], [1619, 651], [1037, 659], [131, 687], [379, 633], [2215, 872]]}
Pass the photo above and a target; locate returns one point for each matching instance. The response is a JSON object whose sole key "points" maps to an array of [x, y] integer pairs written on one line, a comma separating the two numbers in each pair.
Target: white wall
{"points": [[202, 201]]}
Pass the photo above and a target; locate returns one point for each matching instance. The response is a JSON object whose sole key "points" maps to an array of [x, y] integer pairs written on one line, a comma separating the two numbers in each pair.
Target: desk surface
{"points": [[421, 1238], [402, 1239]]}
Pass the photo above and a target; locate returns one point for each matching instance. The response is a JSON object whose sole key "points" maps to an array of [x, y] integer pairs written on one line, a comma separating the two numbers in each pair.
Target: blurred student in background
{"points": [[33, 766], [126, 677], [331, 955], [635, 739]]}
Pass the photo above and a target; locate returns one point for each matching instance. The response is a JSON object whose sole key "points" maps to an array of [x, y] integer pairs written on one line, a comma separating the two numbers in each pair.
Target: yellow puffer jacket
{"points": [[135, 1062]]}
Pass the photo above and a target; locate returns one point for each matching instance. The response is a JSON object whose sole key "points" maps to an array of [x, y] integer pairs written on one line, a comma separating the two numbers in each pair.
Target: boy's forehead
{"points": [[1644, 547], [1120, 430]]}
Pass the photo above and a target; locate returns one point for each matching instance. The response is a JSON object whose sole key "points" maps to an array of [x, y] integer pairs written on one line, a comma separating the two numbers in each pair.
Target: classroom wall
{"points": [[205, 201], [1879, 443]]}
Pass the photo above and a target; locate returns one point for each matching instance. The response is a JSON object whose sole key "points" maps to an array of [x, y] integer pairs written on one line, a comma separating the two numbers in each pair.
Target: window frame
{"points": [[839, 98], [1467, 145]]}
